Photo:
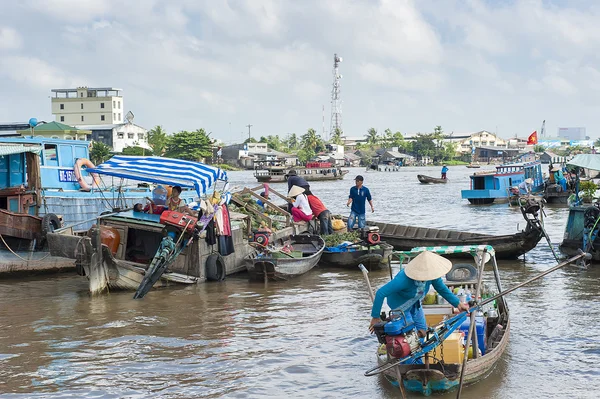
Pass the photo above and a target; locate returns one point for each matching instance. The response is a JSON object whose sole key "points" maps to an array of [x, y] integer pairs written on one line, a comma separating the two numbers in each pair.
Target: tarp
{"points": [[9, 149], [176, 172], [588, 161]]}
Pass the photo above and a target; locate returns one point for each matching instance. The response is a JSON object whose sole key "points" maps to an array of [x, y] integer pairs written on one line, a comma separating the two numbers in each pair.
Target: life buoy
{"points": [[77, 170]]}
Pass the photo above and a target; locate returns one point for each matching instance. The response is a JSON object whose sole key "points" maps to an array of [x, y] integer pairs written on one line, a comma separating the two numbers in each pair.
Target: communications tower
{"points": [[336, 102]]}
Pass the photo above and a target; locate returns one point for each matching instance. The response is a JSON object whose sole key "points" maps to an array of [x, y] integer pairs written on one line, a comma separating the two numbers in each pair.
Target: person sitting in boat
{"points": [[321, 212], [263, 205], [150, 207], [300, 207], [559, 178], [444, 171], [526, 186], [407, 290], [175, 203]]}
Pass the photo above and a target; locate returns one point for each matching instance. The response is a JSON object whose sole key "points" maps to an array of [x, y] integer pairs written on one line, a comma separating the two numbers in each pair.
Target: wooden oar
{"points": [[508, 291]]}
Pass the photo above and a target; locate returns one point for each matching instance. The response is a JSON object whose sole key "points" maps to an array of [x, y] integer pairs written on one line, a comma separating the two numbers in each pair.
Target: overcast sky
{"points": [[408, 65]]}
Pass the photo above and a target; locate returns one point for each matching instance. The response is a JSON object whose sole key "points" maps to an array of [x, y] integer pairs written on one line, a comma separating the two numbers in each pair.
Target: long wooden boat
{"points": [[441, 371], [279, 175], [372, 259], [304, 253], [509, 246], [431, 180], [471, 166]]}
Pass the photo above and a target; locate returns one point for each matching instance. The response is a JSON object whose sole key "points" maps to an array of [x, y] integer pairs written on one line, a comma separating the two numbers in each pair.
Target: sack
{"points": [[338, 224]]}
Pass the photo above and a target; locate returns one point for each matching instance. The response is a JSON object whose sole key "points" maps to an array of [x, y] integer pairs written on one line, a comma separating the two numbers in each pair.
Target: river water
{"points": [[306, 338]]}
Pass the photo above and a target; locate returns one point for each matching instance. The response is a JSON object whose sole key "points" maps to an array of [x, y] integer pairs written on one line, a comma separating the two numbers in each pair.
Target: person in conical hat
{"points": [[301, 211], [525, 186], [407, 289]]}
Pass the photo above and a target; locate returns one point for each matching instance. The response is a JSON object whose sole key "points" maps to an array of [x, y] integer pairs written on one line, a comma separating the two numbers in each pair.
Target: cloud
{"points": [[9, 39], [35, 73], [391, 77]]}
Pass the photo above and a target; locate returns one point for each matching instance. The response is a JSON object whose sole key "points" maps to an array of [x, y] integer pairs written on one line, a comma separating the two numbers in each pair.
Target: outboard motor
{"points": [[260, 237], [399, 335]]}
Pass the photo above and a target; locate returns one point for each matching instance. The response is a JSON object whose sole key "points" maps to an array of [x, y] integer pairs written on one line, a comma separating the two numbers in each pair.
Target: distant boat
{"points": [[431, 180], [473, 166], [314, 171], [488, 186]]}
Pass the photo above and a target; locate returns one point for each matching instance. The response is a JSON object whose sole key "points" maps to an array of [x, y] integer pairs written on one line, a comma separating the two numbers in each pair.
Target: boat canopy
{"points": [[451, 249], [588, 161], [10, 149], [176, 172]]}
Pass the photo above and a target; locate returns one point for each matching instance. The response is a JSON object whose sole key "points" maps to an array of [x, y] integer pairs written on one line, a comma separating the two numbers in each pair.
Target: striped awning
{"points": [[453, 249], [176, 172], [9, 149]]}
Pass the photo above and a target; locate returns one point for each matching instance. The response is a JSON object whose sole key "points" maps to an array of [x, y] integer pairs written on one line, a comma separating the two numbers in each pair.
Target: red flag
{"points": [[532, 140]]}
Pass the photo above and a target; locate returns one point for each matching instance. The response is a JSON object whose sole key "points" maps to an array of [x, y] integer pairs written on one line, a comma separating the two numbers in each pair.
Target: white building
{"points": [[466, 141], [88, 106], [118, 136]]}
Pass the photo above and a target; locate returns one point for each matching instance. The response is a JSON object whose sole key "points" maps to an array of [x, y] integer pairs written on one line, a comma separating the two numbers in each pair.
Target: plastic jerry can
{"points": [[478, 330]]}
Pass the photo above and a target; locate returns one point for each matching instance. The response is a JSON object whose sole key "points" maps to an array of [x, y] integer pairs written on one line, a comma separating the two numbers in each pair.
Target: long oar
{"points": [[508, 291]]}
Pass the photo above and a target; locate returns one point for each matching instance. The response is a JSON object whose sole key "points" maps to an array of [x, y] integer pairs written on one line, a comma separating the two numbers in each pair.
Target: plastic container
{"points": [[479, 331], [452, 348], [159, 195], [110, 237]]}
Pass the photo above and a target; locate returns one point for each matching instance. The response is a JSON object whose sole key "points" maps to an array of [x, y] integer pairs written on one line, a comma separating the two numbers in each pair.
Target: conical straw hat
{"points": [[427, 266], [295, 190]]}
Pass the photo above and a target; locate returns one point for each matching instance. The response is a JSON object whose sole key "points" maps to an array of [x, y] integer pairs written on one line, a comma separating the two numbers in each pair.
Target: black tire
{"points": [[462, 272], [215, 268], [50, 222]]}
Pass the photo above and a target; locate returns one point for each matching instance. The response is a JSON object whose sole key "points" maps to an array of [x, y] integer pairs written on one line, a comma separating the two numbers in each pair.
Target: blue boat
{"points": [[45, 180], [486, 187]]}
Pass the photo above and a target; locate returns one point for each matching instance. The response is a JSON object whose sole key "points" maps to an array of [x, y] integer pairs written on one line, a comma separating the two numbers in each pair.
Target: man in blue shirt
{"points": [[359, 194], [294, 180]]}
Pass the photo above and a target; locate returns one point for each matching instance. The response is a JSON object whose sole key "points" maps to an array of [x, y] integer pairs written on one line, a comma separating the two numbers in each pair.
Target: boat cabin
{"points": [[489, 186]]}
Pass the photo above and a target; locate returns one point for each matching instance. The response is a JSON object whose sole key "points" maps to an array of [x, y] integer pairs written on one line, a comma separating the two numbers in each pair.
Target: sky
{"points": [[466, 65]]}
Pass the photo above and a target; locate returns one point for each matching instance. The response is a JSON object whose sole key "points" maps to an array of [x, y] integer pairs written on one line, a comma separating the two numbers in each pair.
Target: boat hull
{"points": [[431, 180], [20, 225], [308, 177], [404, 238], [284, 268], [371, 259]]}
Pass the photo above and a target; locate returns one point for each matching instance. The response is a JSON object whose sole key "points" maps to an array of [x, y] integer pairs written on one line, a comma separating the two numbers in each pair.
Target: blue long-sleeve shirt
{"points": [[402, 288]]}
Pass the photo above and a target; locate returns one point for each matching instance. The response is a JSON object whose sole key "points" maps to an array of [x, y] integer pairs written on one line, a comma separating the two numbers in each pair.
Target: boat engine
{"points": [[370, 235], [260, 237], [399, 335], [179, 220]]}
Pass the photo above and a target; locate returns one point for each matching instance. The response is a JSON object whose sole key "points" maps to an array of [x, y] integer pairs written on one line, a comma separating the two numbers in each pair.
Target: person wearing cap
{"points": [[407, 290], [301, 211], [359, 195], [294, 180], [444, 171], [559, 178], [525, 186]]}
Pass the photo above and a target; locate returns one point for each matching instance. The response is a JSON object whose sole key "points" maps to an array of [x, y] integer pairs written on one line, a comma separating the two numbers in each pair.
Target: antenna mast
{"points": [[336, 102]]}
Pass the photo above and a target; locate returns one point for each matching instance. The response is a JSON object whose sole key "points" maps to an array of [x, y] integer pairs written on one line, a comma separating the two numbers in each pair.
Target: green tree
{"points": [[538, 148], [193, 146], [449, 151], [311, 140], [292, 141], [372, 138], [424, 146], [397, 140], [137, 151], [157, 140], [387, 138], [99, 153], [336, 137], [250, 140], [306, 154]]}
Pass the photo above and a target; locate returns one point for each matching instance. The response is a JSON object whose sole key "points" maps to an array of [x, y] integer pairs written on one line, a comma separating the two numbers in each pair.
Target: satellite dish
{"points": [[129, 116]]}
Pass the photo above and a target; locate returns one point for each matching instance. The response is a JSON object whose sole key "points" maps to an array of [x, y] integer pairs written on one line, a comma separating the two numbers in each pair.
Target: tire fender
{"points": [[50, 222], [215, 267]]}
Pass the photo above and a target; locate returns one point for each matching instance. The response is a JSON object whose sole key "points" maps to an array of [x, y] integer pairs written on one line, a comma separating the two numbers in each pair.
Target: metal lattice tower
{"points": [[336, 102]]}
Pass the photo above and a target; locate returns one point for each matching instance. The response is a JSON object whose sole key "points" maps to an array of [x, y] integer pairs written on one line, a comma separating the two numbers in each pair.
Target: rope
{"points": [[18, 256]]}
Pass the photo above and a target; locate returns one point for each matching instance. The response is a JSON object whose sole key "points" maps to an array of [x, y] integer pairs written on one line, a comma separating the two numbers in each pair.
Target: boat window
{"points": [[80, 152], [65, 153], [50, 155]]}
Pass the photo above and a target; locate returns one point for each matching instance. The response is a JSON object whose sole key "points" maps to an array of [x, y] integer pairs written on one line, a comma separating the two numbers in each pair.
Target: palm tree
{"points": [[157, 140], [311, 139], [372, 138], [336, 138]]}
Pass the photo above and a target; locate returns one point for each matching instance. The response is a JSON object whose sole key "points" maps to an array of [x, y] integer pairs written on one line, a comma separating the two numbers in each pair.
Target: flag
{"points": [[532, 140]]}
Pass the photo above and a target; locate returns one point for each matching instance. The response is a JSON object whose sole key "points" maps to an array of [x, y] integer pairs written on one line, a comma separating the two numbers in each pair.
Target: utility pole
{"points": [[249, 126]]}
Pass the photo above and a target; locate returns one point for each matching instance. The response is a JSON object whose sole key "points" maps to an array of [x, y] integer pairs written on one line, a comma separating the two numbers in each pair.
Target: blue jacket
{"points": [[402, 288]]}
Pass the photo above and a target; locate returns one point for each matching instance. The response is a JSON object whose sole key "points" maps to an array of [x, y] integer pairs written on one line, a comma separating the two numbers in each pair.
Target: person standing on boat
{"points": [[321, 212], [444, 171], [359, 195], [559, 178], [407, 290], [526, 186], [294, 180], [300, 207]]}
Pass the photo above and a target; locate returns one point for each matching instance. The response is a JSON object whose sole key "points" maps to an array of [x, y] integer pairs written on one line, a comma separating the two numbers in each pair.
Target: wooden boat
{"points": [[428, 180], [299, 254], [473, 166], [434, 377], [509, 246], [371, 258], [314, 171]]}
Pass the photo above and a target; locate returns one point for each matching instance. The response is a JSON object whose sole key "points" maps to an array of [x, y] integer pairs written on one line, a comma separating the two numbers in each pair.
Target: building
{"points": [[350, 143], [88, 106], [246, 154], [56, 130], [352, 160], [495, 154], [572, 133], [465, 142], [551, 158], [119, 136], [392, 156]]}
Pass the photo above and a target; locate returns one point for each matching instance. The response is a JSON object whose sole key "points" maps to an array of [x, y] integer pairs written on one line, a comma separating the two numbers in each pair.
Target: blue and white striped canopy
{"points": [[176, 172]]}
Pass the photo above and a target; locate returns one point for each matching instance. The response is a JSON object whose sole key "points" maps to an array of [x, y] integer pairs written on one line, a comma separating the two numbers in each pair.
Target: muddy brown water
{"points": [[306, 338]]}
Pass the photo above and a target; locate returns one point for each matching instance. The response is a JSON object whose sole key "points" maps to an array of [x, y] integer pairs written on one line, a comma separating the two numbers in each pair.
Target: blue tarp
{"points": [[176, 172]]}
